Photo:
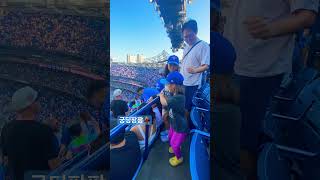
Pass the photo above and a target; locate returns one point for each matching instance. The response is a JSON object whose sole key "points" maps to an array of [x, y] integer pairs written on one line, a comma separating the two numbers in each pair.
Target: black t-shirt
{"points": [[119, 108], [124, 161], [28, 145], [176, 113]]}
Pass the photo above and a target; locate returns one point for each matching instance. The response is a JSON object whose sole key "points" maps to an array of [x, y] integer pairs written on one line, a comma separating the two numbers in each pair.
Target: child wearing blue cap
{"points": [[178, 124], [171, 66], [173, 63]]}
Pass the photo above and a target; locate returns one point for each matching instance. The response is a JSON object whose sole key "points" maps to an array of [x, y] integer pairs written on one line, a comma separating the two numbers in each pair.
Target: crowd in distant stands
{"points": [[62, 81], [129, 78], [141, 74], [76, 35], [125, 86]]}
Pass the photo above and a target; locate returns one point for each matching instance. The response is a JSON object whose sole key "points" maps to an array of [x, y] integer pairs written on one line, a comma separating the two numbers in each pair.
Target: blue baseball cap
{"points": [[160, 84], [174, 78], [173, 59], [148, 92]]}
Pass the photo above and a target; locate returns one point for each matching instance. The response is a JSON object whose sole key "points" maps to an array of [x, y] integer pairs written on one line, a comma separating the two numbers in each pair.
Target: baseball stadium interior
{"points": [[130, 78], [61, 93]]}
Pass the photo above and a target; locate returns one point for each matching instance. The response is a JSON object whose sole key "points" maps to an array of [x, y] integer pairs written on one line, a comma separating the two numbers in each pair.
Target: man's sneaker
{"points": [[174, 161], [164, 138]]}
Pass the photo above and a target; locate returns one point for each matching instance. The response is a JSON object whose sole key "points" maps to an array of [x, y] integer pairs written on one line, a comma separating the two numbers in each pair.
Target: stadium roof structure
{"points": [[160, 58], [98, 8], [173, 14]]}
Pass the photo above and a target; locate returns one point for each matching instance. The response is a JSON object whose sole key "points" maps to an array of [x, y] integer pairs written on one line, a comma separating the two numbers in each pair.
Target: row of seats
{"points": [[295, 137], [199, 147], [292, 125]]}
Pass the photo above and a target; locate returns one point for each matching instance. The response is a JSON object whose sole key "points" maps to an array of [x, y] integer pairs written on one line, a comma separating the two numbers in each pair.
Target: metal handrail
{"points": [[92, 157], [138, 112]]}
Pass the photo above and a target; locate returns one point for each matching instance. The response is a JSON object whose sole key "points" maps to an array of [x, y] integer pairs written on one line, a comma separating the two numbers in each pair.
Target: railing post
{"points": [[146, 149]]}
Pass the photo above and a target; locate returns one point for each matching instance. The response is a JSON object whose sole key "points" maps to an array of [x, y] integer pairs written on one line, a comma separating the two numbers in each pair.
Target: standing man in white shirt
{"points": [[196, 60], [262, 32]]}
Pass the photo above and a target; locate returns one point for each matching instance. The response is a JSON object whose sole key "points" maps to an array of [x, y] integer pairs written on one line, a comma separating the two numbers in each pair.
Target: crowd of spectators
{"points": [[85, 37], [62, 81], [127, 81], [125, 86], [129, 78], [137, 73]]}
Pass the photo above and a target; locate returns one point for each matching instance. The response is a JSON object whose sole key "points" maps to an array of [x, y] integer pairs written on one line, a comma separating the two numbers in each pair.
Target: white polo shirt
{"points": [[199, 55]]}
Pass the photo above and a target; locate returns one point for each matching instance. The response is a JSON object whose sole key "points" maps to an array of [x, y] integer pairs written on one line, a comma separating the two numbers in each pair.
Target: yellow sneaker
{"points": [[174, 161], [171, 150]]}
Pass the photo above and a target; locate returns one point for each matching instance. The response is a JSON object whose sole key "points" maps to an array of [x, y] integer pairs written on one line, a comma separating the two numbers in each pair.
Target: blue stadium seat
{"points": [[202, 97], [296, 109], [271, 166], [298, 134], [310, 168], [199, 157], [200, 112], [196, 118], [200, 118], [207, 120], [298, 123], [290, 91]]}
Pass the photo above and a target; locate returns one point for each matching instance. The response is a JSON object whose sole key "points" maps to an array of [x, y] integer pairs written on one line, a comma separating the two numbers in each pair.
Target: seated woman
{"points": [[140, 130]]}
